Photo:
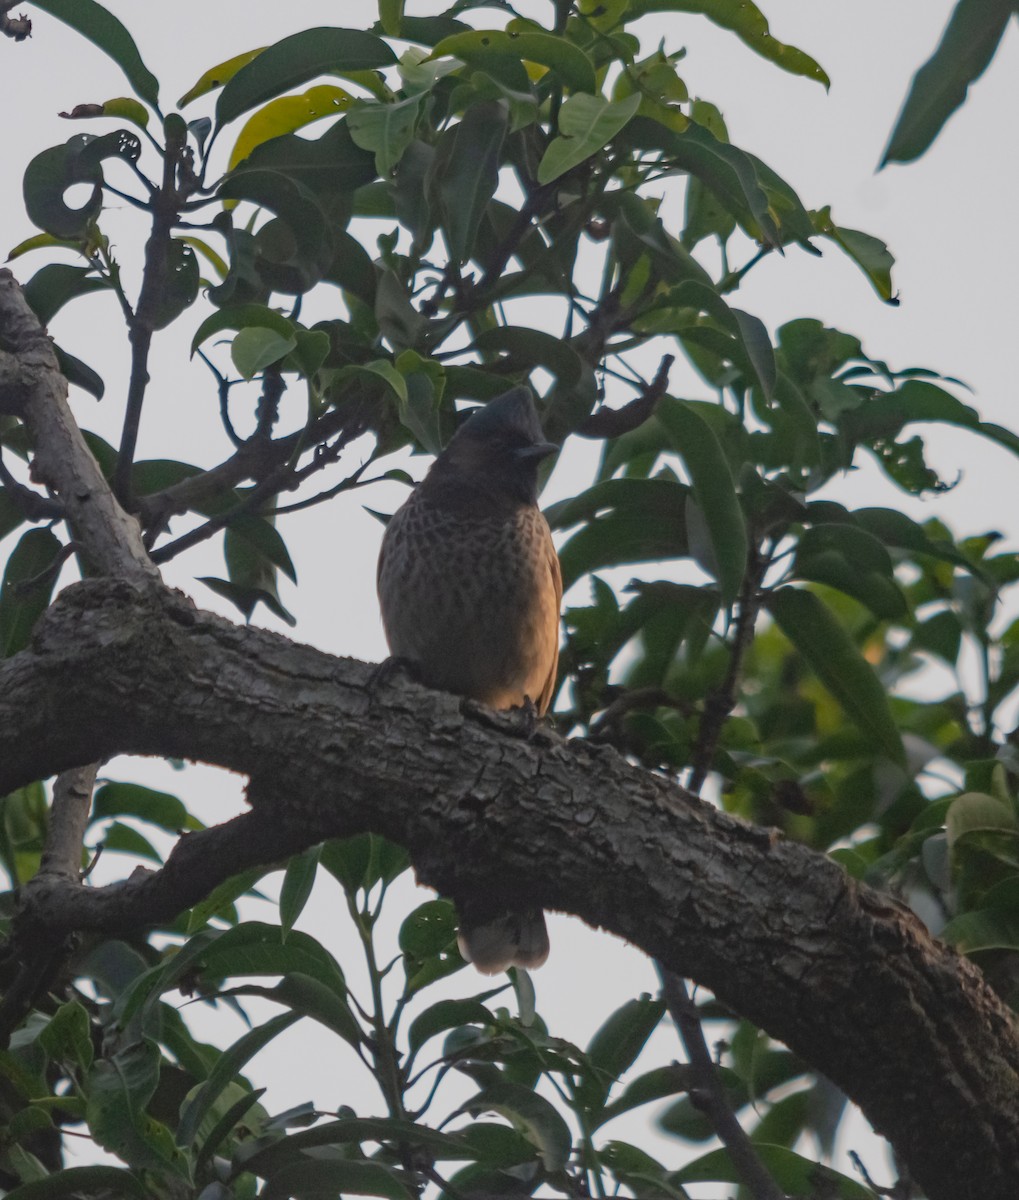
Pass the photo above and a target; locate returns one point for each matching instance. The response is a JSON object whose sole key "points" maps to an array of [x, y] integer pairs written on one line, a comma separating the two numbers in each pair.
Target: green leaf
{"points": [[484, 48], [27, 587], [747, 21], [978, 812], [180, 283], [449, 1014], [78, 373], [471, 174], [119, 838], [227, 1067], [429, 929], [296, 59], [995, 928], [714, 489], [119, 1090], [217, 76], [255, 348], [794, 1174], [586, 125], [362, 861], [531, 1115], [809, 624], [348, 1132], [131, 799], [74, 1182], [47, 178], [298, 881], [220, 901], [971, 37], [243, 316], [849, 558], [869, 253], [385, 129], [655, 1084], [106, 31], [313, 1180], [52, 286], [638, 520], [616, 1045], [730, 173], [68, 1036], [391, 16], [287, 114]]}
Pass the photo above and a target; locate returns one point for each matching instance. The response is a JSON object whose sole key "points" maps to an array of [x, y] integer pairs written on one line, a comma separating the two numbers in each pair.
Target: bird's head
{"points": [[498, 448]]}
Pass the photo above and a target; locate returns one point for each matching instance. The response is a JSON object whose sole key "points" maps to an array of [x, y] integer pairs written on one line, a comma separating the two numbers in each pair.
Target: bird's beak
{"points": [[537, 450]]}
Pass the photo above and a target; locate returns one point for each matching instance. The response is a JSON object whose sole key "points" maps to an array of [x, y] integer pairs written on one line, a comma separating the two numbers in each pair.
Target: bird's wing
{"points": [[545, 699]]}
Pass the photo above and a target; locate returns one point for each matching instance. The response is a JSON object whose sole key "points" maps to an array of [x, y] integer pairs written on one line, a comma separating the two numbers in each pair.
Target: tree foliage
{"points": [[385, 222]]}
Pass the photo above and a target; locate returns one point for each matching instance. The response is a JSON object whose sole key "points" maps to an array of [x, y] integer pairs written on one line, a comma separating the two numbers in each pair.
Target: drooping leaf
{"points": [[471, 174], [218, 76], [715, 492], [27, 586], [107, 32], [971, 37], [52, 286], [298, 882], [227, 1066], [530, 1114]]}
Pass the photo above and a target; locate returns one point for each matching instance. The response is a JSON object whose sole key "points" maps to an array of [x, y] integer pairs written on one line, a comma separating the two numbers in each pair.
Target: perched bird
{"points": [[470, 588]]}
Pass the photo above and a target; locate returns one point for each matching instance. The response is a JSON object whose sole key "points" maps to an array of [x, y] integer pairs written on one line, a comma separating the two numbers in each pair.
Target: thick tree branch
{"points": [[846, 977], [32, 386]]}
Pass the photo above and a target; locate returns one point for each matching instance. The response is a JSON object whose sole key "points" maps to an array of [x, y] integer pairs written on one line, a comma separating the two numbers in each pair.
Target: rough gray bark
{"points": [[845, 976]]}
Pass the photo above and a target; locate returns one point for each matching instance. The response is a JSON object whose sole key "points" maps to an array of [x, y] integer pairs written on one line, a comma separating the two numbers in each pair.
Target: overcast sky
{"points": [[949, 219]]}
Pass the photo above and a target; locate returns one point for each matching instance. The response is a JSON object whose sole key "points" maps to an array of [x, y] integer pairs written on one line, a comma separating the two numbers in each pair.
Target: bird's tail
{"points": [[511, 939]]}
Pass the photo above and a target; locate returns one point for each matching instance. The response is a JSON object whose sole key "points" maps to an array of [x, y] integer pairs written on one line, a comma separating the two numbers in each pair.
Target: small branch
{"points": [[708, 1094], [164, 208], [611, 422], [255, 459], [72, 800], [198, 863], [283, 479], [30, 377]]}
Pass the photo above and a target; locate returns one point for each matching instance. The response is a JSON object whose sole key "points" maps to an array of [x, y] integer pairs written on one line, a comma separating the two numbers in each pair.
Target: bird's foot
{"points": [[391, 669], [522, 721]]}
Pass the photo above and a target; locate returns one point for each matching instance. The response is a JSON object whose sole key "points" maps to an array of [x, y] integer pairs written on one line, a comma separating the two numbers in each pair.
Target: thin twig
{"points": [[164, 209], [708, 1094]]}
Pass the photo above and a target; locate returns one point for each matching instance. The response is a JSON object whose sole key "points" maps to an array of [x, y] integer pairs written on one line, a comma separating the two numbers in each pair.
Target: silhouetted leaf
{"points": [[971, 37]]}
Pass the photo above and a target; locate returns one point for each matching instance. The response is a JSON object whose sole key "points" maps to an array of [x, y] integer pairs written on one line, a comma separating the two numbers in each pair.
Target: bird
{"points": [[470, 590]]}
